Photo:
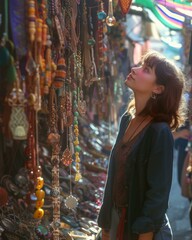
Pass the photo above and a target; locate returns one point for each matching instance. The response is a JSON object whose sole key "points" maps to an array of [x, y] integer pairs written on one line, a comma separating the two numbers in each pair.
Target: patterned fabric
{"points": [[120, 189], [125, 5]]}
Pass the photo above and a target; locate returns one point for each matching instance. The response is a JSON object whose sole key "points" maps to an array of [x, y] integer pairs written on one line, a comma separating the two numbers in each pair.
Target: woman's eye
{"points": [[146, 69]]}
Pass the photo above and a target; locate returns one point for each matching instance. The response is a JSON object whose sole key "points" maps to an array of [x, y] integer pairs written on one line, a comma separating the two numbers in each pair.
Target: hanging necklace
{"points": [[133, 134]]}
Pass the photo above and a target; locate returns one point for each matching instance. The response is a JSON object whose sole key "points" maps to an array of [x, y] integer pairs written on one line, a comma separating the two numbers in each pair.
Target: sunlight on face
{"points": [[142, 79]]}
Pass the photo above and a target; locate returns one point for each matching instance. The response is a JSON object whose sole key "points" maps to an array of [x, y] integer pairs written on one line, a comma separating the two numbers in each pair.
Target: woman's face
{"points": [[142, 79]]}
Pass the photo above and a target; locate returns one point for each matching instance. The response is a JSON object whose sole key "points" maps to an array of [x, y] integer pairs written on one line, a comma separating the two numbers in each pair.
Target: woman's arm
{"points": [[159, 178]]}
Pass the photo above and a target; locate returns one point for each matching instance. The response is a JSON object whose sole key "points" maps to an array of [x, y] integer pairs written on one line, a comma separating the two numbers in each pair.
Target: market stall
{"points": [[59, 83]]}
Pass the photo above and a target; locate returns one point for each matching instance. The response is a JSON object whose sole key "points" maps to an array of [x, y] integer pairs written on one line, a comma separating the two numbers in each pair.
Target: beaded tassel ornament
{"points": [[71, 202], [54, 140], [76, 133]]}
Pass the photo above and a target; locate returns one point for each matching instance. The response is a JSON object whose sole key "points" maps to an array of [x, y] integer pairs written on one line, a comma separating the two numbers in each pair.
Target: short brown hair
{"points": [[169, 106]]}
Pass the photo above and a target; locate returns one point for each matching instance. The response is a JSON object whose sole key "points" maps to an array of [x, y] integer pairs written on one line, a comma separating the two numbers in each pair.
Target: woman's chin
{"points": [[128, 83]]}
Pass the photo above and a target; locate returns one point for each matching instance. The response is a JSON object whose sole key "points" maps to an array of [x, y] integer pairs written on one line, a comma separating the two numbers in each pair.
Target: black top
{"points": [[151, 160]]}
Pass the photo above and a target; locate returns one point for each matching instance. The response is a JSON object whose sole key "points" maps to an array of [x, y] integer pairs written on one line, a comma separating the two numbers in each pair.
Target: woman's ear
{"points": [[159, 89]]}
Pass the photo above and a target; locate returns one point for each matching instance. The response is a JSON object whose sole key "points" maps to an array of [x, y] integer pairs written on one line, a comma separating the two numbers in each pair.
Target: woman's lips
{"points": [[129, 77]]}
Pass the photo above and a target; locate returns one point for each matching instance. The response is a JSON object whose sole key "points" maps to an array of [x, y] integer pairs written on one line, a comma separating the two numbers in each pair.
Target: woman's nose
{"points": [[133, 70]]}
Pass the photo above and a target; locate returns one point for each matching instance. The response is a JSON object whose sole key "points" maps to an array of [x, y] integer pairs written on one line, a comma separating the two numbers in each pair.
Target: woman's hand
{"points": [[105, 235], [146, 236]]}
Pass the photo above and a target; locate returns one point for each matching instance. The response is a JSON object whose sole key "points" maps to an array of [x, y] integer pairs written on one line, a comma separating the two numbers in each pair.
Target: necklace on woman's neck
{"points": [[133, 134]]}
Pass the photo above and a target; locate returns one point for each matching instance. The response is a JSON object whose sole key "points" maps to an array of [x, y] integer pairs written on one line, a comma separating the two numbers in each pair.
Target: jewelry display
{"points": [[56, 93]]}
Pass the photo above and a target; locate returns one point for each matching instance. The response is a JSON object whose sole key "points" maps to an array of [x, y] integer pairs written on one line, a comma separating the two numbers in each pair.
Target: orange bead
{"points": [[39, 213], [39, 203], [39, 30], [40, 183], [31, 12], [60, 73], [40, 194]]}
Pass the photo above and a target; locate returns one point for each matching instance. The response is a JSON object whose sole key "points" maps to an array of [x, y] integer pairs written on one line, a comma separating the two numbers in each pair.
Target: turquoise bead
{"points": [[76, 114], [74, 92], [75, 122], [101, 15], [77, 149]]}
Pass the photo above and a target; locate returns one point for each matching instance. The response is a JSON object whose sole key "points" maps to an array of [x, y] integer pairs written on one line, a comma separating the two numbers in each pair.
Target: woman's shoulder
{"points": [[160, 128]]}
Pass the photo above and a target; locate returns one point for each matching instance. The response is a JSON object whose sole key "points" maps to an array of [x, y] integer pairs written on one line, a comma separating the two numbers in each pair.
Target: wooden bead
{"points": [[60, 74]]}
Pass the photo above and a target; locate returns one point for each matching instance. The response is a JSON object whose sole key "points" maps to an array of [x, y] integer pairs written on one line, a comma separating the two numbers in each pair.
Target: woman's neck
{"points": [[140, 103]]}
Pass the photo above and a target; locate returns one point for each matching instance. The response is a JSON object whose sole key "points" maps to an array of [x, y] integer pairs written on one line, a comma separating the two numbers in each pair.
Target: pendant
{"points": [[66, 157], [18, 123], [82, 106], [110, 20], [71, 202]]}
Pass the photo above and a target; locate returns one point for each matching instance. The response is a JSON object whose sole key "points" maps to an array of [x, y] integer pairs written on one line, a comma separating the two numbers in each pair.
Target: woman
{"points": [[140, 169]]}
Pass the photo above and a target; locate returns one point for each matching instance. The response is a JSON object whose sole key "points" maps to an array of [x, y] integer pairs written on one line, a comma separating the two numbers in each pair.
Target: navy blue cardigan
{"points": [[149, 182]]}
